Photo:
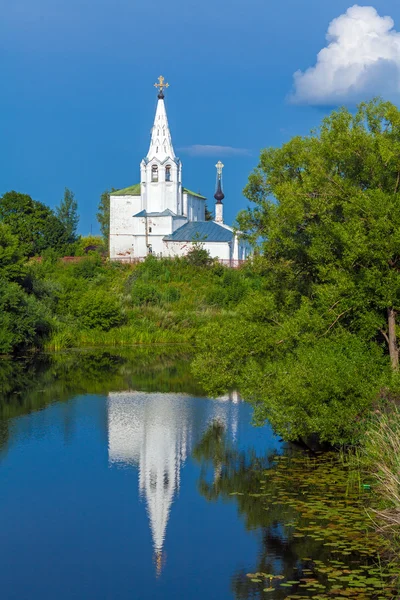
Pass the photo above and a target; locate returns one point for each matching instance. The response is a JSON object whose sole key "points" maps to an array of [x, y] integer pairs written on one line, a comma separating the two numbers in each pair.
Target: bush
{"points": [[171, 294], [98, 310], [145, 293], [89, 267], [23, 321], [198, 256]]}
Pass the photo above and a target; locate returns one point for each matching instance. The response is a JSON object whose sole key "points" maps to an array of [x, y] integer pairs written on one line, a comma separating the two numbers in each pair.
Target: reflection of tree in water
{"points": [[32, 383], [237, 476]]}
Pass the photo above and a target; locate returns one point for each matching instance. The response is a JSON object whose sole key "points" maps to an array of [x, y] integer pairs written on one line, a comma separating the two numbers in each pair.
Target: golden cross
{"points": [[161, 84], [219, 166]]}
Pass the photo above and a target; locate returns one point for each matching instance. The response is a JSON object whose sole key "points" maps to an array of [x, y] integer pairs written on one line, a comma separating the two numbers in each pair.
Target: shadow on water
{"points": [[32, 383], [316, 541]]}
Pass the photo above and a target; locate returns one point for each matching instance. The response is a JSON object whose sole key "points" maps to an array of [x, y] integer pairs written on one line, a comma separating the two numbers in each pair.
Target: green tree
{"points": [[67, 214], [12, 260], [103, 214], [328, 209], [34, 223], [208, 214]]}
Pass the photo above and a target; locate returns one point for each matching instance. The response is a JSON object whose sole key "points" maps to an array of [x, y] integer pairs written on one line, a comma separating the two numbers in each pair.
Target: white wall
{"points": [[194, 207], [216, 249], [122, 209]]}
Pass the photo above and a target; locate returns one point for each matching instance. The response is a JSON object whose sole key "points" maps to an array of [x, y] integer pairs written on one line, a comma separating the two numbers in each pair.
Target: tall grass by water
{"points": [[382, 457]]}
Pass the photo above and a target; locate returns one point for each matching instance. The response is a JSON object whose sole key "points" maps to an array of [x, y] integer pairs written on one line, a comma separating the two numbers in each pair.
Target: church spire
{"points": [[219, 195], [161, 144]]}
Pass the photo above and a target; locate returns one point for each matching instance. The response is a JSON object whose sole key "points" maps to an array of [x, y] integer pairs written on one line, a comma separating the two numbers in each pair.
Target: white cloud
{"points": [[207, 150], [361, 60]]}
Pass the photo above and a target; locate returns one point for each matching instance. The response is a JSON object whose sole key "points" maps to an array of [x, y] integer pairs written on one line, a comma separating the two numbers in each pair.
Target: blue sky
{"points": [[77, 100]]}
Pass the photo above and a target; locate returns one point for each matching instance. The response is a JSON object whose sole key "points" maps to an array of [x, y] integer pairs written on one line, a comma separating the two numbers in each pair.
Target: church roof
{"points": [[161, 143], [186, 191], [202, 231], [133, 190], [165, 213]]}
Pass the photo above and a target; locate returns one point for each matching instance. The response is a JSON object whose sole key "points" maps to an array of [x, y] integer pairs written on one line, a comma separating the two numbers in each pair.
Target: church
{"points": [[160, 216]]}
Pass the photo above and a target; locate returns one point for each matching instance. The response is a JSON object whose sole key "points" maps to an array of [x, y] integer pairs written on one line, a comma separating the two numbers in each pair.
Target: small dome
{"points": [[219, 194]]}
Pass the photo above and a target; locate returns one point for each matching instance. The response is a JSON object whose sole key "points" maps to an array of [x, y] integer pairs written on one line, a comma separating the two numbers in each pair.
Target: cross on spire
{"points": [[161, 85]]}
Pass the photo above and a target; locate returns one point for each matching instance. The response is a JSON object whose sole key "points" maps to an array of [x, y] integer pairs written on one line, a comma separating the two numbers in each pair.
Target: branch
{"points": [[385, 335], [397, 183], [336, 320]]}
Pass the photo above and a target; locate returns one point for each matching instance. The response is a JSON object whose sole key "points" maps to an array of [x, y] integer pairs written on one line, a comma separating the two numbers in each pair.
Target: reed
{"points": [[382, 458]]}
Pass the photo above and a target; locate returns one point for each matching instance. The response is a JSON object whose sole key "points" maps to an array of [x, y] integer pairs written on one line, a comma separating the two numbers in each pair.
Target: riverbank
{"points": [[92, 303]]}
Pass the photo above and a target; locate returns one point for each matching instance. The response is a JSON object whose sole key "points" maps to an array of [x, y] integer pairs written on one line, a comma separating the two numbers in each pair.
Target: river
{"points": [[120, 480]]}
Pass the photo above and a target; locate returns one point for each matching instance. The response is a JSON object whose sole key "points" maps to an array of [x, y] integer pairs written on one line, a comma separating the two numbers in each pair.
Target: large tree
{"points": [[327, 207], [103, 214], [34, 223], [67, 213]]}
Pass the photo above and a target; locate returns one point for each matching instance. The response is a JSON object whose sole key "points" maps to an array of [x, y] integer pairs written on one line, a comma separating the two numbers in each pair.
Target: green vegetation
{"points": [[55, 305], [67, 214], [312, 349]]}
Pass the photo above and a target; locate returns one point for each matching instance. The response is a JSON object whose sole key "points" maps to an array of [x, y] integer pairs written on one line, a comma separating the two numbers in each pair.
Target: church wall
{"points": [[216, 249], [194, 207], [122, 208]]}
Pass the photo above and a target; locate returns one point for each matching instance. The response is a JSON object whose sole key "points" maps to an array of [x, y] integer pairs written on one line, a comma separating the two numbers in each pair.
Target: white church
{"points": [[161, 217]]}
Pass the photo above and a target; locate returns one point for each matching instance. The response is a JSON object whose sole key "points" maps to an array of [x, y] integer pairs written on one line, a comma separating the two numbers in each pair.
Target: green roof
{"points": [[133, 190], [186, 191]]}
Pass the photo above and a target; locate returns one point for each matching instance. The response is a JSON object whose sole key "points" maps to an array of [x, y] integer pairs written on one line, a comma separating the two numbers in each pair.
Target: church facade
{"points": [[161, 217]]}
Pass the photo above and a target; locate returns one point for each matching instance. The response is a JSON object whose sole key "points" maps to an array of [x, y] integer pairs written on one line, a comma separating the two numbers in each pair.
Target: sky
{"points": [[77, 100]]}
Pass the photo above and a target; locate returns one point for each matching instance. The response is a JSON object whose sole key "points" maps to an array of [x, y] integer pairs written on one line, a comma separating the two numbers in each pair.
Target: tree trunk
{"points": [[393, 348]]}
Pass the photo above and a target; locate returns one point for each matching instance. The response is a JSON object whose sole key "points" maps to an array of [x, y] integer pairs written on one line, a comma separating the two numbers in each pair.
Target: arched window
{"points": [[167, 173], [154, 173]]}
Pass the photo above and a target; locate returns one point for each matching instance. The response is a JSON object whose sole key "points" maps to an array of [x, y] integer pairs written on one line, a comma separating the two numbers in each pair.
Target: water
{"points": [[120, 480], [101, 496]]}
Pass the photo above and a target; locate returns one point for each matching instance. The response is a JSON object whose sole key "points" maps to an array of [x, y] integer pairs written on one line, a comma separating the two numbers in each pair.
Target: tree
{"points": [[35, 224], [67, 214], [208, 215], [328, 209], [12, 260], [103, 214]]}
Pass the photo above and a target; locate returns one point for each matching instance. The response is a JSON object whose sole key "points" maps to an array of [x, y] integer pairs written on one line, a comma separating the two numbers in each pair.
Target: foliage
{"points": [[103, 214], [67, 214], [12, 260], [198, 255], [309, 345], [381, 456], [98, 310], [144, 294], [33, 223], [88, 244], [23, 320], [328, 209], [208, 215]]}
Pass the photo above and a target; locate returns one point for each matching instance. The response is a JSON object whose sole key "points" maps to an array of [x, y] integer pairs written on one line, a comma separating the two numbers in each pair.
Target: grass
{"points": [[382, 458], [167, 301]]}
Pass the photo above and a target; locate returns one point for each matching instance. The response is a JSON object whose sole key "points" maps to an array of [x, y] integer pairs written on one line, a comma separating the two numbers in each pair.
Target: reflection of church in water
{"points": [[156, 432]]}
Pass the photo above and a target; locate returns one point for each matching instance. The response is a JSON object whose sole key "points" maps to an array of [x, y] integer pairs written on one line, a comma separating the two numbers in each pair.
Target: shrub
{"points": [[171, 294], [23, 321], [88, 267], [198, 256], [145, 293], [98, 310]]}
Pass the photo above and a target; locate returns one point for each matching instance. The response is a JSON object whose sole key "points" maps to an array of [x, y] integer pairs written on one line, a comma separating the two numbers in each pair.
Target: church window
{"points": [[154, 172], [167, 173]]}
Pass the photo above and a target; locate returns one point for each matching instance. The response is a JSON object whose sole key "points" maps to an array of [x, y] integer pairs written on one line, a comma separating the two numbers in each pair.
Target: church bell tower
{"points": [[161, 170]]}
